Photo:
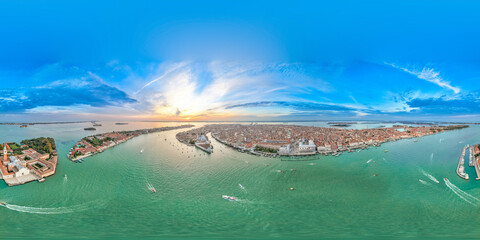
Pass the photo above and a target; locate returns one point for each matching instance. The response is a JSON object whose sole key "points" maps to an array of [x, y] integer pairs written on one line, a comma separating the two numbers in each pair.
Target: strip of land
{"points": [[293, 140], [94, 144], [28, 161]]}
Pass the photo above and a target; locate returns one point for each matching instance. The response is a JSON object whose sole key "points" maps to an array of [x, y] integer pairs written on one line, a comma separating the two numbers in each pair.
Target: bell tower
{"points": [[5, 153]]}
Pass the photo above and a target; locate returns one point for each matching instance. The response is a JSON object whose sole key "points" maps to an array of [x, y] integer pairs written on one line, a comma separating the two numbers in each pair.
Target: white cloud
{"points": [[430, 75], [192, 89]]}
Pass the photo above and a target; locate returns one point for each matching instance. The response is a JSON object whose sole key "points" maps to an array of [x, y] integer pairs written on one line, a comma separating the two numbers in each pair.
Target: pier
{"points": [[471, 157], [461, 165]]}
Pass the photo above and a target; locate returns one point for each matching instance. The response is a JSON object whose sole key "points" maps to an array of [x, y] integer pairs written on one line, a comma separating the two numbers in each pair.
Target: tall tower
{"points": [[5, 153]]}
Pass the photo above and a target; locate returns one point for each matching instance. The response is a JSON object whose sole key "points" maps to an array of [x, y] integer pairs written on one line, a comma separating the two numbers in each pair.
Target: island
{"points": [[33, 159], [293, 140], [94, 144]]}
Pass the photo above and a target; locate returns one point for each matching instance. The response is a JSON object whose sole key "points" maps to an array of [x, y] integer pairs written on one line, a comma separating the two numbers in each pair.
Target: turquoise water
{"points": [[107, 195]]}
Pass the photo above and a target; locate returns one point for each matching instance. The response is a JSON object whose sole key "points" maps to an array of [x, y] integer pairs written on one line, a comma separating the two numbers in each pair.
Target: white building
{"points": [[283, 150], [310, 147]]}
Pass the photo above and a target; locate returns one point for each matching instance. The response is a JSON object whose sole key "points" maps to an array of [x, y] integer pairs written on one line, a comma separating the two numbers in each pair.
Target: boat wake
{"points": [[424, 182], [242, 187], [463, 195], [150, 187], [429, 176], [431, 157], [37, 210]]}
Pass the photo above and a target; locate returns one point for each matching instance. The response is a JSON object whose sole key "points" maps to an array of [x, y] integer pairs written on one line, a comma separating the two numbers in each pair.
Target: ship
{"points": [[119, 123], [90, 129]]}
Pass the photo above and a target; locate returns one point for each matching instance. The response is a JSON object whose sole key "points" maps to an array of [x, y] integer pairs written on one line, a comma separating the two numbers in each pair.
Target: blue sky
{"points": [[239, 60]]}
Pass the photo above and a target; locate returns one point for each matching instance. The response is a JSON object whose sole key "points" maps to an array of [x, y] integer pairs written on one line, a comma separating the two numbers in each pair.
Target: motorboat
{"points": [[230, 198], [65, 176], [153, 190], [3, 204]]}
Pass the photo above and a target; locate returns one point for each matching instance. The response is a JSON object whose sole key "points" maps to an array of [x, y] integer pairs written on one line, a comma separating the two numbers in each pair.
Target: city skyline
{"points": [[166, 61]]}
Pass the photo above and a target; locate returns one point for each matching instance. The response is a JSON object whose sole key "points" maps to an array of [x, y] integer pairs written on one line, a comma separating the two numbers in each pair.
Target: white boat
{"points": [[65, 176], [230, 198]]}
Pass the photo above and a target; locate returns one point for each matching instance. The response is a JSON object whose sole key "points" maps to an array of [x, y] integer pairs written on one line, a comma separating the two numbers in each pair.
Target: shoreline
{"points": [[124, 136], [361, 145]]}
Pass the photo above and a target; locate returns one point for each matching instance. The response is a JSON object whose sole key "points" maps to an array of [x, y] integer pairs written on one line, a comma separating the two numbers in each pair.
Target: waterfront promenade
{"points": [[476, 161]]}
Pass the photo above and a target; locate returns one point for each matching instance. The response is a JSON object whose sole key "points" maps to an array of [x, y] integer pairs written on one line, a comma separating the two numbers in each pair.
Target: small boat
{"points": [[141, 151], [3, 204], [445, 179], [416, 140], [230, 198], [376, 174], [153, 190], [41, 180], [65, 176], [386, 151]]}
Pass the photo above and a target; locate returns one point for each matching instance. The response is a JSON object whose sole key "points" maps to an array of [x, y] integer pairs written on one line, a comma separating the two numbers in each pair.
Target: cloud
{"points": [[195, 89], [87, 90], [302, 106], [444, 105], [430, 75]]}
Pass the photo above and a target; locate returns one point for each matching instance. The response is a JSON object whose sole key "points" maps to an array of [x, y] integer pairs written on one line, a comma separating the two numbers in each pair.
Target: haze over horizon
{"points": [[246, 61]]}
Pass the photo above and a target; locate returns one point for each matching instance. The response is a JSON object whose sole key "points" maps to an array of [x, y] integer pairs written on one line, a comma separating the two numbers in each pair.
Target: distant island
{"points": [[92, 145], [293, 140], [36, 123], [31, 160]]}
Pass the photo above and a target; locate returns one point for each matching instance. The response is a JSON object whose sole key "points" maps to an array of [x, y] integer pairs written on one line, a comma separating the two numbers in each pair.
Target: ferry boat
{"points": [[230, 198]]}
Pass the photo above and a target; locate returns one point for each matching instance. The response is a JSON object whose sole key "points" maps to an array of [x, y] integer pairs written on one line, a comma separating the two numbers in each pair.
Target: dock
{"points": [[471, 157], [461, 165]]}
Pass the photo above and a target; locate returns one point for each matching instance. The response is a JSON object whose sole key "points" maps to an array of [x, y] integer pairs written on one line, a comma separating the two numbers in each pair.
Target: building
{"points": [[307, 147]]}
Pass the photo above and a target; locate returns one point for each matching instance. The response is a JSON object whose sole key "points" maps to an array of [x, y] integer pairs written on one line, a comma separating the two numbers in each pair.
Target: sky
{"points": [[239, 60]]}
